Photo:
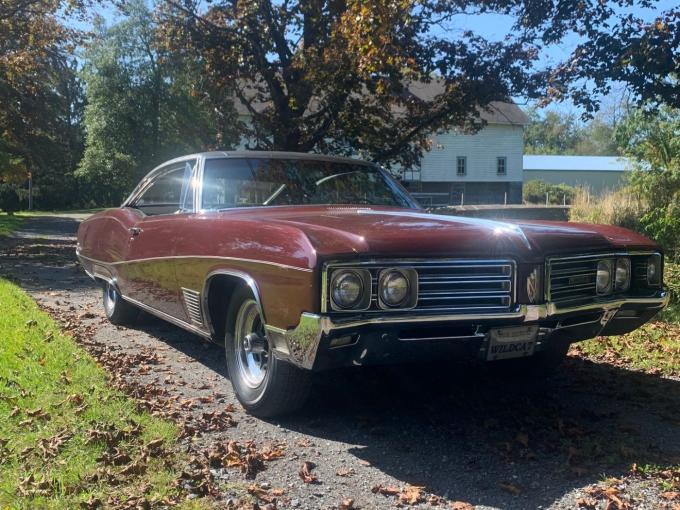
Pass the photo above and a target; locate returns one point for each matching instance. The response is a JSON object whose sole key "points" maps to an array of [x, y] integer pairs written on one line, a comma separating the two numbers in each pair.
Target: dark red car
{"points": [[300, 263]]}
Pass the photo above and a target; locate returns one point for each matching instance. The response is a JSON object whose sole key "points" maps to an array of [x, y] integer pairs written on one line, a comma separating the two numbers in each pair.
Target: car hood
{"points": [[334, 231]]}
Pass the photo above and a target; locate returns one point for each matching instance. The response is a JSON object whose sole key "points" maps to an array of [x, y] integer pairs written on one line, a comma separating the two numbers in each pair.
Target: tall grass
{"points": [[621, 208]]}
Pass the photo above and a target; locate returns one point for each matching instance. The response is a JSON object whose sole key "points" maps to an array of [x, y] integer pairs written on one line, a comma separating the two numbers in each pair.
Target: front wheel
{"points": [[117, 310], [265, 385]]}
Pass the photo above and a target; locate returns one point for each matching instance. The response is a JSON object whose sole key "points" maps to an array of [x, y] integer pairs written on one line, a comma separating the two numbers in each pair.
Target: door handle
{"points": [[135, 231]]}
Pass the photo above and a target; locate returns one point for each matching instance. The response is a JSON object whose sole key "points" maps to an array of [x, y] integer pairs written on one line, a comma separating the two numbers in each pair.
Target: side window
{"points": [[170, 192], [461, 165], [501, 166]]}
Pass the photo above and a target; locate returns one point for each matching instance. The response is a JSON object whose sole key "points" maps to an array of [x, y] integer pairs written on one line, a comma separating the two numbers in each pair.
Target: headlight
{"points": [[347, 289], [394, 288], [397, 288], [622, 277], [604, 277], [654, 271]]}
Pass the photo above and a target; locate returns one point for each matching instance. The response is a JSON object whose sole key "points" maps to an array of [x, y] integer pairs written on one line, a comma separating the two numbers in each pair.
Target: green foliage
{"points": [[652, 139], [651, 202], [40, 98], [554, 132], [671, 280], [534, 192], [9, 199], [144, 107], [9, 224]]}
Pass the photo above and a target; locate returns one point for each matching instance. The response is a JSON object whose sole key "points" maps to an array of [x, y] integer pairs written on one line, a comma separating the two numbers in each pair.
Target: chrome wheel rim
{"points": [[252, 348], [110, 298]]}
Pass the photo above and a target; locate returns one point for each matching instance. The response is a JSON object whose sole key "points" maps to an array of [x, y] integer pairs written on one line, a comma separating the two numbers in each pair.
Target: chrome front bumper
{"points": [[300, 345]]}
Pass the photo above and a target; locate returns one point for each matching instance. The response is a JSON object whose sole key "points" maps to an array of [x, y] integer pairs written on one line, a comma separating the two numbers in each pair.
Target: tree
{"points": [[552, 133], [559, 133], [645, 56], [9, 199], [39, 95], [652, 139], [379, 77], [144, 106]]}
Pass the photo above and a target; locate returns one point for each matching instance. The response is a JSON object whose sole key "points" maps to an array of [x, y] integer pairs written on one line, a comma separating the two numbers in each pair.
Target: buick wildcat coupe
{"points": [[299, 263]]}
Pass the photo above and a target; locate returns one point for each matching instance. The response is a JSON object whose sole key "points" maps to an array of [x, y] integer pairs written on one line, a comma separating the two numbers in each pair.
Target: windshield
{"points": [[247, 182]]}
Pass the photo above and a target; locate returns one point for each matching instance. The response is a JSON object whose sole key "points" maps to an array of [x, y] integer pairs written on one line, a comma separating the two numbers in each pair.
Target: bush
{"points": [[9, 198], [534, 192]]}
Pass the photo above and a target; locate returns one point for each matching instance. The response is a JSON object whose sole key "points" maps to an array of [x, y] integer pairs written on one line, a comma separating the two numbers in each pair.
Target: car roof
{"points": [[240, 154], [265, 155]]}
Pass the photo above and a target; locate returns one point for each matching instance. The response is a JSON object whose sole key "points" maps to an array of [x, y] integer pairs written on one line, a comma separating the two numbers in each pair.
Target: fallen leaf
{"points": [[412, 495], [512, 489], [346, 504], [523, 439], [385, 491], [306, 473], [461, 505]]}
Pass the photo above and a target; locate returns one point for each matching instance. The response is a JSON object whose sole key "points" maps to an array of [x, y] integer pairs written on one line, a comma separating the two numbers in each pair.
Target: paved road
{"points": [[456, 430]]}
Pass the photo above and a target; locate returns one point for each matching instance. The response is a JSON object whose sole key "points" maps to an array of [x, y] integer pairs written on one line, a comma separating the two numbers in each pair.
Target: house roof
{"points": [[496, 112], [577, 163]]}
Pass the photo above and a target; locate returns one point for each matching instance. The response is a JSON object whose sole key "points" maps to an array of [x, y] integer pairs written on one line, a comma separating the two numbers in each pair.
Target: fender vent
{"points": [[192, 303]]}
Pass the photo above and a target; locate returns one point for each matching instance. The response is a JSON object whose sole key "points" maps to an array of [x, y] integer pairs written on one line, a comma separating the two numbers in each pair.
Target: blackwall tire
{"points": [[117, 310], [265, 385]]}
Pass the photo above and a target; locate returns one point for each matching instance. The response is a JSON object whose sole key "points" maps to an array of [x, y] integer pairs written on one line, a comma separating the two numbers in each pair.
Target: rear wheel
{"points": [[117, 310], [265, 385]]}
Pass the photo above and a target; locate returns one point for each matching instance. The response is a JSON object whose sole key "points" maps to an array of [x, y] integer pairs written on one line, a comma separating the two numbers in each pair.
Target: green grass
{"points": [[9, 224], [61, 211], [50, 386]]}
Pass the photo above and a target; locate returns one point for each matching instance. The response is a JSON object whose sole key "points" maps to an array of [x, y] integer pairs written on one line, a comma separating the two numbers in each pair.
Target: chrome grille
{"points": [[573, 279], [192, 303], [458, 286], [640, 272]]}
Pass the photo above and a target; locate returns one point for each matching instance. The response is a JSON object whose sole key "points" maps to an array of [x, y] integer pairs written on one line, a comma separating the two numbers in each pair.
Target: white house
{"points": [[598, 173], [480, 168]]}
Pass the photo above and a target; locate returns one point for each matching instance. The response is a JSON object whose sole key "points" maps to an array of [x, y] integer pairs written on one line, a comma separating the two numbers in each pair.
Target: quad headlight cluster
{"points": [[613, 275], [654, 270], [351, 289]]}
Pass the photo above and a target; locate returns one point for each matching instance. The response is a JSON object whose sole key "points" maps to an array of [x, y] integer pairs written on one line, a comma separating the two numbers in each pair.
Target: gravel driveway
{"points": [[457, 431]]}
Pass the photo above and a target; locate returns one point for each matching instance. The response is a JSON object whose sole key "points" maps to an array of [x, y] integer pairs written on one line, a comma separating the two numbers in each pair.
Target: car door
{"points": [[162, 206]]}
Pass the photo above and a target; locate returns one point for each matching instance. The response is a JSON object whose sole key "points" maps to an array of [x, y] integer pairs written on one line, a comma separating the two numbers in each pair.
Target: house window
{"points": [[501, 166], [461, 165]]}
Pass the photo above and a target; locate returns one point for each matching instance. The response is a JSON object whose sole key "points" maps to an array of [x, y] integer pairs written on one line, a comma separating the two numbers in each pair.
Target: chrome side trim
{"points": [[181, 257], [193, 306], [169, 318], [246, 278]]}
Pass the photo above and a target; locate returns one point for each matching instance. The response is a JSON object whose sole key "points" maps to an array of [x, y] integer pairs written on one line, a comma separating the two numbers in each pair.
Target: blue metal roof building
{"points": [[598, 173]]}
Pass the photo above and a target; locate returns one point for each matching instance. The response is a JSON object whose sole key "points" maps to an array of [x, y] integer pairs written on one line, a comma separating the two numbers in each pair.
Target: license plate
{"points": [[508, 343]]}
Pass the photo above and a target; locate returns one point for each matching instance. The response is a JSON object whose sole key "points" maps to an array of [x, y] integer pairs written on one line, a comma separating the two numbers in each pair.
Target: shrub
{"points": [[9, 199], [534, 192]]}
